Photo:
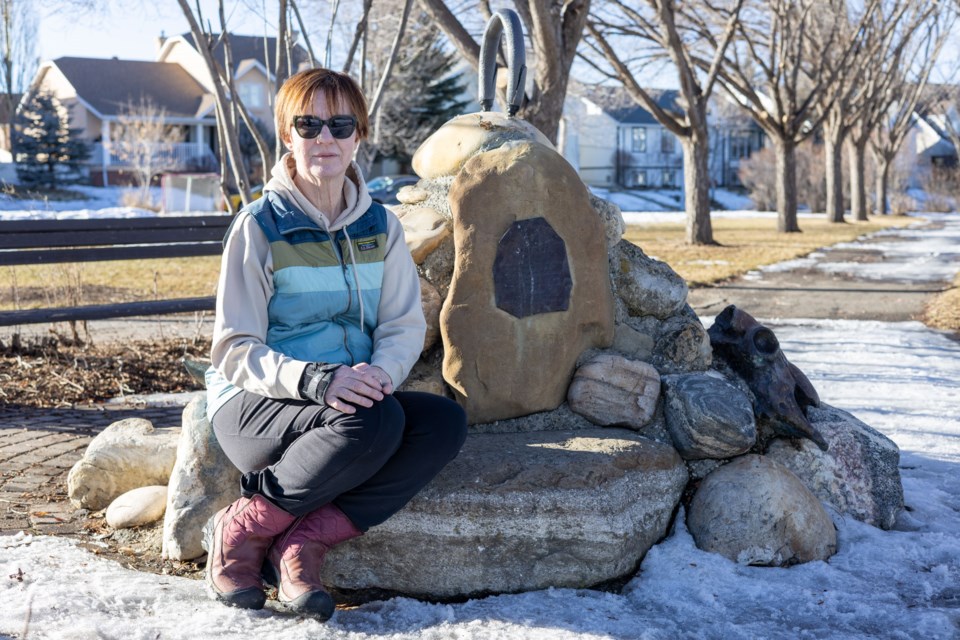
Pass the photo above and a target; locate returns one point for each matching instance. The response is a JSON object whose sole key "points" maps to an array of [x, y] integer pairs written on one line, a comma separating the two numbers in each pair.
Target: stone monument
{"points": [[592, 391]]}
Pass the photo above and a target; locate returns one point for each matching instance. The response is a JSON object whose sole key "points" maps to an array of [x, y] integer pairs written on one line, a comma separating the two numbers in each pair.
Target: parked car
{"points": [[255, 192], [384, 189]]}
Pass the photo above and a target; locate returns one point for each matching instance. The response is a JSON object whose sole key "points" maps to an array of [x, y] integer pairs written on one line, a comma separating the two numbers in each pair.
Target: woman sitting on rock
{"points": [[318, 321]]}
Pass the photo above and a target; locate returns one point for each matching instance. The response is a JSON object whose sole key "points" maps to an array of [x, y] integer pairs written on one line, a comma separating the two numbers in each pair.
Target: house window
{"points": [[667, 142], [739, 147], [639, 139], [252, 95], [640, 178], [669, 178]]}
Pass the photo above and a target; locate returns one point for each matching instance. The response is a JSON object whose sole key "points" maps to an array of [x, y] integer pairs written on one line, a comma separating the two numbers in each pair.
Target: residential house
{"points": [[99, 94], [614, 142]]}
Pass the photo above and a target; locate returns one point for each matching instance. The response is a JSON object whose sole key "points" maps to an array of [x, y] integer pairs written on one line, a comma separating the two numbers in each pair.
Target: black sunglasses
{"points": [[309, 127]]}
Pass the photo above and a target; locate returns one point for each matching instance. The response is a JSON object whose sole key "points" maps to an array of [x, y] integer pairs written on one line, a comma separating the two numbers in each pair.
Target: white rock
{"points": [[424, 230], [137, 507], [412, 194], [126, 455], [609, 390], [756, 511], [450, 146]]}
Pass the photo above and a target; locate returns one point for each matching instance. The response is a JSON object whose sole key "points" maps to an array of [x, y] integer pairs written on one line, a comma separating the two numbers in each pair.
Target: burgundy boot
{"points": [[295, 559], [236, 540]]}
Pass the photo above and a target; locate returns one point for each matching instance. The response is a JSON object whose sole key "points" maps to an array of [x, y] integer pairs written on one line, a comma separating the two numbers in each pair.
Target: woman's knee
{"points": [[378, 426], [446, 422]]}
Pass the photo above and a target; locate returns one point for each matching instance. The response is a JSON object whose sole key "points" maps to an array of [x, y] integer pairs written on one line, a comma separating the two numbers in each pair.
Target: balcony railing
{"points": [[165, 156]]}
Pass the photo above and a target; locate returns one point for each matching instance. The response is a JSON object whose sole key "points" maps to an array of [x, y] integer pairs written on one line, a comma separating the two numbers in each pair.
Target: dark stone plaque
{"points": [[531, 274]]}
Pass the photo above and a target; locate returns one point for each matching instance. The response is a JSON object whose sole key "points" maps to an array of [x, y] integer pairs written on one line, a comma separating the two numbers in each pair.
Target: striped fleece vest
{"points": [[314, 314]]}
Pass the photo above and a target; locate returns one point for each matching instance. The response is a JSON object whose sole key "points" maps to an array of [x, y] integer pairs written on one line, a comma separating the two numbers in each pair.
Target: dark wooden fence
{"points": [[24, 242]]}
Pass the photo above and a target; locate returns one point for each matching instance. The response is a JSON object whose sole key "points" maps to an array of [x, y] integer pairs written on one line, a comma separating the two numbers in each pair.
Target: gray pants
{"points": [[301, 456]]}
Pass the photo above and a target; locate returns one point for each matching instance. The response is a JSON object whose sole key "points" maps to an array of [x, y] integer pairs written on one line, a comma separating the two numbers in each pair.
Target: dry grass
{"points": [[943, 312], [746, 243], [34, 286]]}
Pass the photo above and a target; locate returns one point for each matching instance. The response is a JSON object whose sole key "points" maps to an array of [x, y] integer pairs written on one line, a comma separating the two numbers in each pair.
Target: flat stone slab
{"points": [[519, 512]]}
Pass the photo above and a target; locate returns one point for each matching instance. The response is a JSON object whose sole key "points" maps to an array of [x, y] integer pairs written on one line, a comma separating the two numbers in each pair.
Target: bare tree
{"points": [[556, 27], [616, 26], [18, 46], [894, 114], [142, 139], [863, 96], [776, 70]]}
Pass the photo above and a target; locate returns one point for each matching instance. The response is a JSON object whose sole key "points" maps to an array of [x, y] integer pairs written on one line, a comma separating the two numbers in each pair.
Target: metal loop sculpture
{"points": [[503, 20]]}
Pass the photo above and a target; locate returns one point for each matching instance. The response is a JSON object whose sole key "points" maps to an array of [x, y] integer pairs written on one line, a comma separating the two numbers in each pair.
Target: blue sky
{"points": [[129, 34]]}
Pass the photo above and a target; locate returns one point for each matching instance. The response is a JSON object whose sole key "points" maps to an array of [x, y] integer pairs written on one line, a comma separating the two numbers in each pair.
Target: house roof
{"points": [[250, 48], [107, 85], [616, 102]]}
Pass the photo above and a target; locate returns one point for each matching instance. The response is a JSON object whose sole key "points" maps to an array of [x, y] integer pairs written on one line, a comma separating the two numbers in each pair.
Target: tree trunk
{"points": [[786, 177], [883, 181], [546, 112], [696, 186], [833, 158], [858, 177]]}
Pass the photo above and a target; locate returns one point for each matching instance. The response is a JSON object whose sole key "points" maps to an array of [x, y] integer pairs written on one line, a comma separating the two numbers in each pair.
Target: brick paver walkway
{"points": [[37, 449]]}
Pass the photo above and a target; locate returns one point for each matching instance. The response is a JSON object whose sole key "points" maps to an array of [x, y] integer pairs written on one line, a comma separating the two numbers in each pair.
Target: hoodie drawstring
{"points": [[356, 277]]}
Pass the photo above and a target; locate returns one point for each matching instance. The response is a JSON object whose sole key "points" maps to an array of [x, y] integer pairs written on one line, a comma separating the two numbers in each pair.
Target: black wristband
{"points": [[315, 380]]}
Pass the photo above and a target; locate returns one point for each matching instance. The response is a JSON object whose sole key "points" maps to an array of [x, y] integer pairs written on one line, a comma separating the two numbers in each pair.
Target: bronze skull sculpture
{"points": [[781, 391]]}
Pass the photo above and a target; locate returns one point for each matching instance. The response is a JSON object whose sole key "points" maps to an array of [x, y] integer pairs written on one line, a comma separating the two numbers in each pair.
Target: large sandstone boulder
{"points": [[609, 389], [518, 512], [527, 296], [756, 511], [203, 481], [859, 473], [707, 417], [446, 151], [126, 455]]}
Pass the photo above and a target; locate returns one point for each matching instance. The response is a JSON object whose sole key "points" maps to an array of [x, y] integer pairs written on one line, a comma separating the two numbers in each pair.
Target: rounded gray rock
{"points": [[203, 481], [647, 286], [756, 511], [859, 473], [707, 417]]}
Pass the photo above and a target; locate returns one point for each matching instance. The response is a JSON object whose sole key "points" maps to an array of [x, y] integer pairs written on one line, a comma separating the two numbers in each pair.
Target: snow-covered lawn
{"points": [[901, 378]]}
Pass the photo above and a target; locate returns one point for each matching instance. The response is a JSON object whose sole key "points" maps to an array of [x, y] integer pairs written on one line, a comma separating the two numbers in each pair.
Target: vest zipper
{"points": [[346, 281]]}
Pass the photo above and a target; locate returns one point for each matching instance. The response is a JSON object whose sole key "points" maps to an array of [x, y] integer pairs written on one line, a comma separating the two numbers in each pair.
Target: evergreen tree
{"points": [[423, 95], [46, 150]]}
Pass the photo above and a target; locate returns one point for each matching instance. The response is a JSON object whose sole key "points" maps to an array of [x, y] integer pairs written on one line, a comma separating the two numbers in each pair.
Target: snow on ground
{"points": [[932, 260], [102, 202], [650, 200], [901, 378]]}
